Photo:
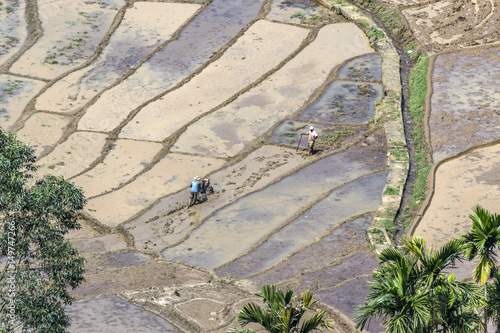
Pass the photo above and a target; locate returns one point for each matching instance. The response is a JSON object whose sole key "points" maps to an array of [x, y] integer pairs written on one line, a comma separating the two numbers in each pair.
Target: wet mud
{"points": [[230, 232], [168, 221], [220, 21], [13, 30], [466, 96], [260, 49], [460, 184], [299, 12], [347, 297], [355, 198], [459, 22], [340, 242], [74, 155], [15, 94], [144, 27], [43, 130], [367, 68], [345, 102], [114, 315], [267, 194], [291, 133], [228, 130], [72, 32], [173, 173], [125, 160]]}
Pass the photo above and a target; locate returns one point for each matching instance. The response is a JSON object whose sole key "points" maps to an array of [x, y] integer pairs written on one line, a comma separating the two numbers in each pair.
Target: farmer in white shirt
{"points": [[312, 136]]}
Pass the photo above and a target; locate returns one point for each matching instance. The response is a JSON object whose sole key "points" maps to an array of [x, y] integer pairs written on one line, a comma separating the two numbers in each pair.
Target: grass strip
{"points": [[416, 105]]}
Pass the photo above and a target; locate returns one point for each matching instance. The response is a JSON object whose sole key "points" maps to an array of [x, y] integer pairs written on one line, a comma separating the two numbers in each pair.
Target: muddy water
{"points": [[226, 131], [143, 28], [171, 174], [220, 21], [460, 184], [15, 94], [231, 231], [466, 97], [345, 269], [355, 198], [159, 227], [104, 243], [347, 297], [289, 133], [304, 11], [12, 30], [124, 259], [125, 160], [363, 68], [73, 155], [114, 315], [345, 102], [343, 241], [263, 46], [43, 130], [72, 31]]}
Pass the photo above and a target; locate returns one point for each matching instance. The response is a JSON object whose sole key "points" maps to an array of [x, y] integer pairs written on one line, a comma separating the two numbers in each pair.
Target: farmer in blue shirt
{"points": [[195, 184]]}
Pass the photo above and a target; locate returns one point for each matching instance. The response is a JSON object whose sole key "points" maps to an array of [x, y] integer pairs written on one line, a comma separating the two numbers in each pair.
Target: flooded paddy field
{"points": [[132, 99], [466, 97], [112, 314]]}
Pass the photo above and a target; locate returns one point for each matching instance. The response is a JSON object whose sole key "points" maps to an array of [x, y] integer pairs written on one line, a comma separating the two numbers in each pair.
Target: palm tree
{"points": [[280, 316], [411, 293], [482, 242], [493, 301]]}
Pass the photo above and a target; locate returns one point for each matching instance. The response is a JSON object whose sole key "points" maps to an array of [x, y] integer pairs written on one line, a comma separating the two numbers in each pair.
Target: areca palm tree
{"points": [[279, 315], [411, 293], [493, 301], [482, 242]]}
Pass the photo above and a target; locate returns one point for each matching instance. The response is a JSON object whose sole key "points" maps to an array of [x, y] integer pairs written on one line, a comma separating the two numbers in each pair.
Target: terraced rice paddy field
{"points": [[132, 99]]}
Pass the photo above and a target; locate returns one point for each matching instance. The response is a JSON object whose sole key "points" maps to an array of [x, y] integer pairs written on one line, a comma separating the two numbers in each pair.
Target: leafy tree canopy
{"points": [[38, 264], [280, 315]]}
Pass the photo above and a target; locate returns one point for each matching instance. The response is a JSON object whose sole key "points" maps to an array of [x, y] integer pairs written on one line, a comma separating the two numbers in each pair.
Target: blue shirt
{"points": [[194, 186]]}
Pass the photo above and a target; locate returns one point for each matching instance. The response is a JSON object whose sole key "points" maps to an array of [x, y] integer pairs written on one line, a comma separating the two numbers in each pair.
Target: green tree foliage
{"points": [[411, 292], [482, 242], [39, 264], [280, 315], [493, 301]]}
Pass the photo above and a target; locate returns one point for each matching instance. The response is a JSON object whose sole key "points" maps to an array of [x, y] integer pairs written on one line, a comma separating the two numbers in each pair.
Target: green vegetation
{"points": [[376, 34], [418, 91], [400, 154], [280, 315], [391, 190], [298, 128], [40, 263], [393, 21], [298, 15], [412, 292], [333, 134], [378, 236], [86, 15], [364, 24], [11, 87], [483, 242], [390, 227]]}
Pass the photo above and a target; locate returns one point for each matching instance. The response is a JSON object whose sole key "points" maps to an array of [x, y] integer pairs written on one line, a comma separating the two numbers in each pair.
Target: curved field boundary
{"points": [[388, 111], [431, 180]]}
